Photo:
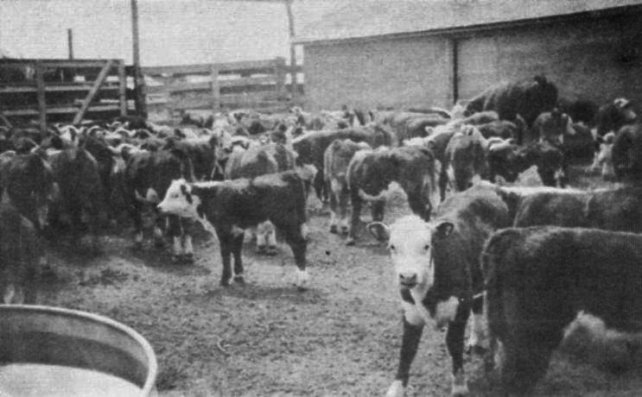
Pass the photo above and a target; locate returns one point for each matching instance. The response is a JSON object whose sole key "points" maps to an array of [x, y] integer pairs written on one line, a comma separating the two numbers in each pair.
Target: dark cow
{"points": [[311, 147], [228, 207], [147, 177], [203, 152], [527, 98], [550, 127], [439, 274], [626, 153], [336, 160], [580, 110], [20, 251], [465, 159], [614, 115], [371, 171], [256, 161], [580, 145], [76, 172], [509, 160], [539, 278], [408, 125], [29, 182]]}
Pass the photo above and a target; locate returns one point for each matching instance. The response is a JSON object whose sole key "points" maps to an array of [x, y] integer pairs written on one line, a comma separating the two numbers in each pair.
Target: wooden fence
{"points": [[62, 90], [261, 85]]}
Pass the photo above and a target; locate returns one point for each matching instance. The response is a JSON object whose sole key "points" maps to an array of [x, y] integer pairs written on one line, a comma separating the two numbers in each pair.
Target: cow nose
{"points": [[408, 278]]}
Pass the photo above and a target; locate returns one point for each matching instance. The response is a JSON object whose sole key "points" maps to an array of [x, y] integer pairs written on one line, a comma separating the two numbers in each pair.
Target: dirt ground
{"points": [[339, 338]]}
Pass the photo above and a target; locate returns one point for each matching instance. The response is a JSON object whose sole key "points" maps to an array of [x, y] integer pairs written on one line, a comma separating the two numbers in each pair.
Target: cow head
{"points": [[180, 201], [625, 110], [412, 242]]}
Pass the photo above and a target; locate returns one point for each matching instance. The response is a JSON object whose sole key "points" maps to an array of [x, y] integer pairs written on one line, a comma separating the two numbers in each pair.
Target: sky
{"points": [[172, 32]]}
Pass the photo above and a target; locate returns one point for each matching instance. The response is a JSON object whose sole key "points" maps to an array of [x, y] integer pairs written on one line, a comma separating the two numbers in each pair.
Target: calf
{"points": [[370, 172], [614, 115], [550, 127], [203, 152], [20, 251], [335, 162], [228, 207], [29, 182], [509, 160], [603, 159], [146, 179], [439, 275], [256, 161], [539, 278], [465, 160]]}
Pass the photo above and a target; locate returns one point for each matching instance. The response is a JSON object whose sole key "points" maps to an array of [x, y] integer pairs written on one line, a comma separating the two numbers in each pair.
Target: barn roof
{"points": [[371, 18]]}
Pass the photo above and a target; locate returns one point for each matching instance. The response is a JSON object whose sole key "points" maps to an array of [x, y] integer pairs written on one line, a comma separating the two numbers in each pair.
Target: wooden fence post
{"points": [[102, 76], [122, 88], [279, 75], [216, 90], [42, 104]]}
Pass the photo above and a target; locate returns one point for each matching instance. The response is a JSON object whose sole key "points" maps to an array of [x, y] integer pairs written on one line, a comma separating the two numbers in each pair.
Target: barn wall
{"points": [[588, 59], [597, 59], [404, 72]]}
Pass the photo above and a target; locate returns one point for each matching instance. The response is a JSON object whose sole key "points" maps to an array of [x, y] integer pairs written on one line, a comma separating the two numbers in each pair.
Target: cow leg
{"points": [[443, 183], [175, 231], [226, 241], [344, 196], [271, 239], [237, 246], [294, 238], [376, 210], [94, 220], [525, 361], [455, 345], [409, 344], [319, 187], [261, 243], [334, 192], [355, 219], [188, 248], [135, 212], [477, 339], [159, 223]]}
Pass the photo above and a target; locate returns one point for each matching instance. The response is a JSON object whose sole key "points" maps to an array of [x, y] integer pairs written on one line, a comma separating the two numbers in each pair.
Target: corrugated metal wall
{"points": [[597, 59]]}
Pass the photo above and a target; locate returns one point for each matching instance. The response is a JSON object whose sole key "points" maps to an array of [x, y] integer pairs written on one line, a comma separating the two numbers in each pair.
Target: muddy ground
{"points": [[339, 338]]}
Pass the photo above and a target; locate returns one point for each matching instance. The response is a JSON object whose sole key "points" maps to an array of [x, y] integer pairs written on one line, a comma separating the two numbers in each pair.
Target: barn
{"points": [[430, 53]]}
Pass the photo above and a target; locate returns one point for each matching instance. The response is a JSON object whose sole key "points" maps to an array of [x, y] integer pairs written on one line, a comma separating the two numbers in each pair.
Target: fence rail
{"points": [[262, 85], [62, 90]]}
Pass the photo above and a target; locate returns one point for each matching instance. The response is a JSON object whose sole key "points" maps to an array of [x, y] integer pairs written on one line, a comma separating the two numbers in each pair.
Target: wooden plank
{"points": [[61, 110], [94, 90], [207, 85], [42, 104], [122, 88], [279, 76], [50, 88], [216, 90], [205, 69]]}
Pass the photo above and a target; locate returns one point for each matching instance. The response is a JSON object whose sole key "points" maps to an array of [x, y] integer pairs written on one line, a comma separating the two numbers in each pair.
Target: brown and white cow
{"points": [[370, 173], [439, 274], [335, 163], [539, 278], [228, 207]]}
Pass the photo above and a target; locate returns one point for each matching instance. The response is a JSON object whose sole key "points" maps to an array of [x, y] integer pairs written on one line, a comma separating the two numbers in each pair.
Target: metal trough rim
{"points": [[148, 387]]}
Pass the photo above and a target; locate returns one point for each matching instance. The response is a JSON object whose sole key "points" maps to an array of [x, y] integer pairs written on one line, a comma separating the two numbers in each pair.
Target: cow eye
{"points": [[392, 247], [426, 247]]}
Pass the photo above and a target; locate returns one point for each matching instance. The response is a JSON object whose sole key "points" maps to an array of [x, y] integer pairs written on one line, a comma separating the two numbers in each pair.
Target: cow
{"points": [[370, 173], [603, 159], [20, 253], [204, 152], [146, 179], [527, 98], [549, 127], [580, 110], [226, 208], [614, 115], [311, 147], [76, 172], [509, 160], [465, 159], [626, 154], [29, 183], [439, 274], [335, 162], [539, 278], [256, 161], [408, 125]]}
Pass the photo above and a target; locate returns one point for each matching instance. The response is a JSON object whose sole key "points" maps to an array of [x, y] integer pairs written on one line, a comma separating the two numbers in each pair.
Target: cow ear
{"points": [[379, 230], [186, 193], [445, 228]]}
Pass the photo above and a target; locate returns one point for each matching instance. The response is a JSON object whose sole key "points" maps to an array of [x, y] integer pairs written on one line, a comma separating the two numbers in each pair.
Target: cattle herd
{"points": [[522, 260]]}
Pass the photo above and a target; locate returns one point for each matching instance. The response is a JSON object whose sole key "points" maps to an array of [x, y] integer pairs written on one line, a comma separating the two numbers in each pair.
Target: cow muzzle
{"points": [[382, 196]]}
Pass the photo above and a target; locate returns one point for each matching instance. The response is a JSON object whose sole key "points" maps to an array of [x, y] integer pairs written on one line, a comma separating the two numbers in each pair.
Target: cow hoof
{"points": [[272, 251], [239, 280], [459, 384], [350, 242], [396, 389], [176, 258], [225, 283], [334, 229]]}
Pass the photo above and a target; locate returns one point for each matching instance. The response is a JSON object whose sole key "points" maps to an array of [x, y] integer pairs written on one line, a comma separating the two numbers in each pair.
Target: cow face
{"points": [[180, 201], [625, 110], [409, 242]]}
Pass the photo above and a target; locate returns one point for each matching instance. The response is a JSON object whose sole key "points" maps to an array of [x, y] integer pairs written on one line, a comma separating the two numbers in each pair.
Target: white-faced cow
{"points": [[370, 173], [229, 207], [439, 274], [539, 278]]}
